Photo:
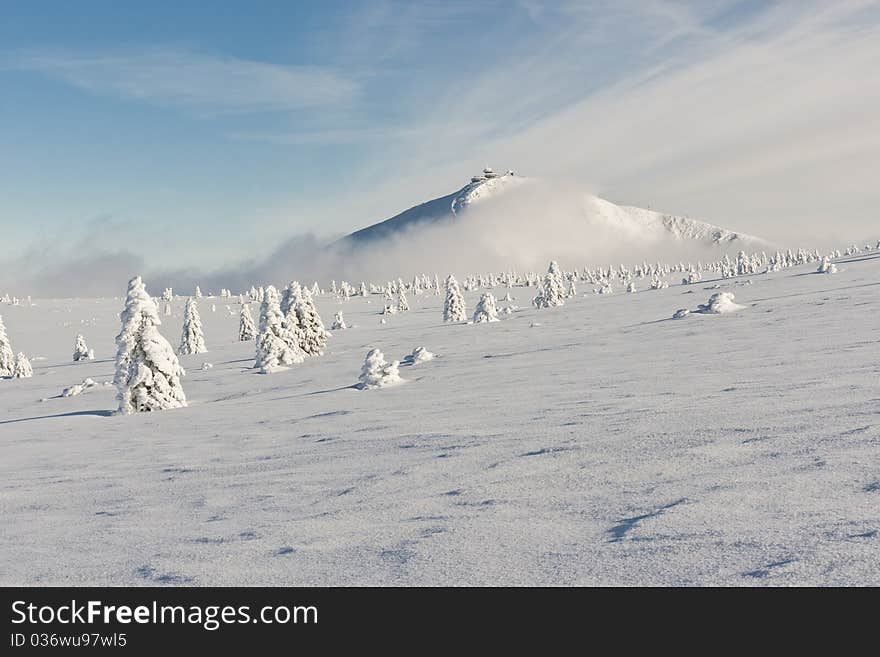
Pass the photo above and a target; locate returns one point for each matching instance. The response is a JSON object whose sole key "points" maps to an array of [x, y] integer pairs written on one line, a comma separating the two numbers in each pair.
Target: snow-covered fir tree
{"points": [[291, 293], [22, 368], [168, 310], [314, 335], [274, 347], [198, 294], [554, 272], [81, 350], [338, 322], [485, 310], [7, 356], [147, 370], [402, 301], [551, 293], [192, 338], [453, 307], [377, 373], [246, 329]]}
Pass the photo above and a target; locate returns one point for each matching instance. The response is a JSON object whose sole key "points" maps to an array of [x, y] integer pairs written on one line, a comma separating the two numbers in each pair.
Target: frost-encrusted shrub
{"points": [[192, 338], [453, 307], [246, 329], [147, 370], [486, 310], [338, 322], [81, 350], [827, 267], [658, 283], [377, 373]]}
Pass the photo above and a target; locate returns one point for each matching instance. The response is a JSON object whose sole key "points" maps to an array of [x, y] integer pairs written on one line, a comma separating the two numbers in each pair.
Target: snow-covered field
{"points": [[600, 442]]}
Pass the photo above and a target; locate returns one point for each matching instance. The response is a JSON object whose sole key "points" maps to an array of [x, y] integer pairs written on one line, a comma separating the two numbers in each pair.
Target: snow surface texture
{"points": [[559, 454]]}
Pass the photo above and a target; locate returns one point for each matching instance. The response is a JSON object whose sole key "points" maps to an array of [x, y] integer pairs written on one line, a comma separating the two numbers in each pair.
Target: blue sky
{"points": [[207, 132]]}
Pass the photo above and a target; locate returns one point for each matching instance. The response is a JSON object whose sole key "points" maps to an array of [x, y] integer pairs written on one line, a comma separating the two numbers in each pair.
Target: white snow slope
{"points": [[596, 443]]}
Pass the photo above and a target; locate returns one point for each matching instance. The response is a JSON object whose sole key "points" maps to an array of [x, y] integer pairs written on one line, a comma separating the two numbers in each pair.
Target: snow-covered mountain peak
{"points": [[542, 200]]}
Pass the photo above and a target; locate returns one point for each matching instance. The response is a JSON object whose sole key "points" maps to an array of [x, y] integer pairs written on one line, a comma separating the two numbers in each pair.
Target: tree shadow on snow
{"points": [[99, 413]]}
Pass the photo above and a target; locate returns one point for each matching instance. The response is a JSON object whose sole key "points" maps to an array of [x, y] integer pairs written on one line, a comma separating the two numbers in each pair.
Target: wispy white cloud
{"points": [[193, 80], [768, 124]]}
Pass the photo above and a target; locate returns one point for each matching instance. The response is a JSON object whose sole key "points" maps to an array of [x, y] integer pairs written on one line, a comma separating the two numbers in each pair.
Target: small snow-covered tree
{"points": [[827, 267], [167, 310], [554, 272], [314, 335], [453, 307], [81, 350], [192, 339], [246, 329], [338, 322], [485, 310], [198, 293], [147, 371], [550, 293], [7, 356], [377, 373], [402, 301], [22, 368], [291, 293], [274, 348]]}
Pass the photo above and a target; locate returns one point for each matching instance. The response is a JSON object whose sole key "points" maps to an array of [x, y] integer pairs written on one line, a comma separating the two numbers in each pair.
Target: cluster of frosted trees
{"points": [[16, 366], [13, 301], [290, 328]]}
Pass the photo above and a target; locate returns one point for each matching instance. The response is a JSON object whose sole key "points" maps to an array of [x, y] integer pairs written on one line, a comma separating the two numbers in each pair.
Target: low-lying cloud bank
{"points": [[522, 229]]}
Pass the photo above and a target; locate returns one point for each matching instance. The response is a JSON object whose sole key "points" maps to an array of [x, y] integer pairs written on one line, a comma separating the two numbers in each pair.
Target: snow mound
{"points": [[419, 355], [378, 373], [719, 304], [79, 388]]}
